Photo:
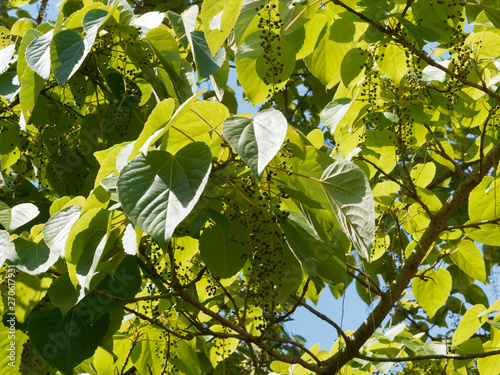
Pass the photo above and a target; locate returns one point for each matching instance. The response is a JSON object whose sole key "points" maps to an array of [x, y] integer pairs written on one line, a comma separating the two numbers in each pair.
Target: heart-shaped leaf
{"points": [[56, 231], [31, 257], [38, 55], [256, 141], [349, 196], [17, 216], [158, 190], [223, 251], [66, 341]]}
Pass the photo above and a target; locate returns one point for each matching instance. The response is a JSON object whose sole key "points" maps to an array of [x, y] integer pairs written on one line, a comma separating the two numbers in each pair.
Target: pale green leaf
{"points": [[393, 64], [489, 365], [423, 174], [86, 233], [470, 260], [13, 218], [349, 196], [130, 240], [222, 348], [432, 292], [253, 69], [21, 26], [326, 59], [333, 114], [192, 126], [143, 355], [443, 160], [256, 141], [6, 55], [470, 323], [481, 198], [352, 66], [38, 54], [160, 121], [29, 291], [148, 21], [7, 248], [56, 230], [218, 18]]}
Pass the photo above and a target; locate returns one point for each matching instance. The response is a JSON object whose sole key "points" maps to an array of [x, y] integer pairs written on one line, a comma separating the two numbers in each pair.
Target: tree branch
{"points": [[436, 226], [323, 317], [427, 357]]}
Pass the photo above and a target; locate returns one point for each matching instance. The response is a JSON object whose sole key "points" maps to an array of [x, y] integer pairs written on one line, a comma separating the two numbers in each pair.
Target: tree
{"points": [[149, 227]]}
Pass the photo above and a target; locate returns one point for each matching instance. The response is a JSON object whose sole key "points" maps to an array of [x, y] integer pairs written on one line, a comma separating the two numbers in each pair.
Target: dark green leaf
{"points": [[158, 190], [64, 342], [224, 252]]}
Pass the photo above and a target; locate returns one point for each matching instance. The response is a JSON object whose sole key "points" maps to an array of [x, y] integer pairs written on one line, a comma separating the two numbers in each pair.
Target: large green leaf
{"points": [[224, 251], [348, 195], [393, 65], [206, 64], [158, 190], [9, 347], [13, 218], [124, 283], [32, 257], [159, 121], [481, 198], [6, 55], [67, 51], [56, 230], [29, 290], [256, 141], [432, 292], [86, 233], [470, 260], [7, 248], [333, 114], [38, 55], [9, 85], [66, 341], [326, 59], [218, 19], [63, 294], [470, 323], [253, 69], [317, 258]]}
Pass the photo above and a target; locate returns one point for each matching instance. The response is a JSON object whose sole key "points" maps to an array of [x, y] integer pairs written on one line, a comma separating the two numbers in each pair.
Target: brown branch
{"points": [[429, 356], [473, 225], [244, 335], [367, 277], [323, 317], [42, 11], [436, 226], [133, 300], [443, 152], [188, 336]]}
